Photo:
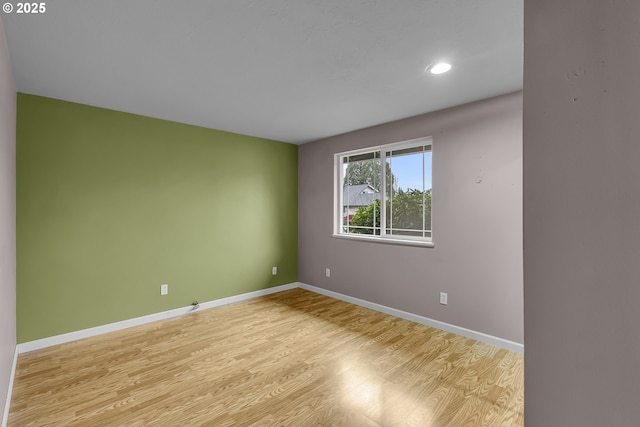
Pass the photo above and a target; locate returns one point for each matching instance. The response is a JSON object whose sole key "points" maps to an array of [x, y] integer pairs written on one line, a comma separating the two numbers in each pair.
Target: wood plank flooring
{"points": [[294, 358]]}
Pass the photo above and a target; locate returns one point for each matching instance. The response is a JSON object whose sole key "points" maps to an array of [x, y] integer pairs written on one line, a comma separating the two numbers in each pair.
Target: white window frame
{"points": [[339, 196]]}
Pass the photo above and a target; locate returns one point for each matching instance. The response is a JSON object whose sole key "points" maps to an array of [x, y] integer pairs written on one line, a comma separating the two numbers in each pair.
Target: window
{"points": [[396, 176]]}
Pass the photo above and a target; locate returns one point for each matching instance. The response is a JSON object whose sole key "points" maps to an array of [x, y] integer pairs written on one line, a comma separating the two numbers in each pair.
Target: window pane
{"points": [[408, 208], [361, 193]]}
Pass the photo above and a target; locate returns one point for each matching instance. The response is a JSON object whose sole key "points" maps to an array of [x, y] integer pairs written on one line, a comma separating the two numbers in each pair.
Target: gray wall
{"points": [[477, 217], [7, 218], [582, 213]]}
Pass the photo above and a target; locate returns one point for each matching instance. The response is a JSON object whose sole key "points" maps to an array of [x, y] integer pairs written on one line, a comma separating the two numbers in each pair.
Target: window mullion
{"points": [[391, 185], [424, 192], [383, 193]]}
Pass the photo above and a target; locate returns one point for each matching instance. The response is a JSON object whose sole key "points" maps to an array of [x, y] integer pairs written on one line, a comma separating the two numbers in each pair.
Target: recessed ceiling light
{"points": [[439, 68]]}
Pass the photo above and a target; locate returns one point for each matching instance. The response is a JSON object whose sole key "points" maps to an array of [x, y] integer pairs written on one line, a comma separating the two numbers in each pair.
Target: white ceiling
{"points": [[290, 70]]}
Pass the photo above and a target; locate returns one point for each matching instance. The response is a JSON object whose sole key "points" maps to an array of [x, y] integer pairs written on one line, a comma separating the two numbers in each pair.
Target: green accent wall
{"points": [[111, 205]]}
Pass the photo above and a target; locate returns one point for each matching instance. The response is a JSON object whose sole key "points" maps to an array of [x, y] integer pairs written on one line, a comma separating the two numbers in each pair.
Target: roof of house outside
{"points": [[357, 195]]}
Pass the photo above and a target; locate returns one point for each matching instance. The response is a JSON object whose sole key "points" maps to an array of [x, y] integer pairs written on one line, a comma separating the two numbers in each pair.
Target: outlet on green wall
{"points": [[112, 205]]}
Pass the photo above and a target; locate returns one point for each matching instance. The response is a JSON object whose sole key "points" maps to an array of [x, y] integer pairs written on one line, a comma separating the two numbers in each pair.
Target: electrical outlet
{"points": [[164, 289], [327, 272], [274, 270], [443, 298]]}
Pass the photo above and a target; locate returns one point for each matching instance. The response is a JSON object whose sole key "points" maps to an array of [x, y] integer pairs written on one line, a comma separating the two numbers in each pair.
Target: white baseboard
{"points": [[85, 333], [5, 415], [103, 329], [489, 339]]}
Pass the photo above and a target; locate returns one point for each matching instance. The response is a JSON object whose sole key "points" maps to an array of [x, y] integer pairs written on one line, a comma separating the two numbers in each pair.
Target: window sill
{"points": [[386, 240]]}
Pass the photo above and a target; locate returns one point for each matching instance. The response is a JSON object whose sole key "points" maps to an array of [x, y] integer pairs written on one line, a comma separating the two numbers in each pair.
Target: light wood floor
{"points": [[294, 358]]}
